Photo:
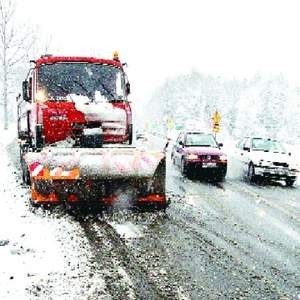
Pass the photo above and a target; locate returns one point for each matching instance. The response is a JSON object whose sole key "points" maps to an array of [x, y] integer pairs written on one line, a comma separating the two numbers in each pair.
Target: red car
{"points": [[199, 153]]}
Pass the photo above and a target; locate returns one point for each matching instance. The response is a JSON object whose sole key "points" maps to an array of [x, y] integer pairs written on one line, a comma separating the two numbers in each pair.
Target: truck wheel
{"points": [[251, 173], [25, 176], [25, 172], [289, 181]]}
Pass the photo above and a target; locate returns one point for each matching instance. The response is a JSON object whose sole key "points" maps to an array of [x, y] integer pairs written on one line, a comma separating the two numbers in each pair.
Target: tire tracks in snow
{"points": [[112, 254], [236, 249], [263, 198]]}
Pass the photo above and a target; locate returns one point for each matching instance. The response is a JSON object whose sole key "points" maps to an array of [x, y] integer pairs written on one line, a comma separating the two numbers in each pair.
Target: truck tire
{"points": [[24, 169], [25, 173]]}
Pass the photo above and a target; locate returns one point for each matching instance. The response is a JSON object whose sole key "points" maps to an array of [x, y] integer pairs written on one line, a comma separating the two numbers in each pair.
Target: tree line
{"points": [[262, 105]]}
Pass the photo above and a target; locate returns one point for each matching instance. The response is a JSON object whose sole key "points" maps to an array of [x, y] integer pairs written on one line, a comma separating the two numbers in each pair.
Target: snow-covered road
{"points": [[229, 240]]}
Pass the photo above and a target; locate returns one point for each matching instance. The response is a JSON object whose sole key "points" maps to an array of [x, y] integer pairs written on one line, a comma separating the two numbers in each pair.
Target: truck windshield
{"points": [[59, 80]]}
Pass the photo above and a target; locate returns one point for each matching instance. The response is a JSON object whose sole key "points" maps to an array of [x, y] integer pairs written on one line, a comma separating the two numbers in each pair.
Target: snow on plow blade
{"points": [[106, 175]]}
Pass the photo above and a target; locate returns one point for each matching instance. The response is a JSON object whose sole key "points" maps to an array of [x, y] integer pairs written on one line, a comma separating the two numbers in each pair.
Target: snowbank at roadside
{"points": [[7, 136], [37, 258]]}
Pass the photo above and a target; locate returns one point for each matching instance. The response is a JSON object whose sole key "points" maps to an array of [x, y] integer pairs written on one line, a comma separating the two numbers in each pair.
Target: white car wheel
{"points": [[251, 172]]}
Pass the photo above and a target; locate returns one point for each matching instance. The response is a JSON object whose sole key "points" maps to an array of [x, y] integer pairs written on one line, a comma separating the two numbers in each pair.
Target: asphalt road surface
{"points": [[233, 240]]}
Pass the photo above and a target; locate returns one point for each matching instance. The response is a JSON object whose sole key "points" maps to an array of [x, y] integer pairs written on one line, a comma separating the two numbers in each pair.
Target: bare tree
{"points": [[15, 43]]}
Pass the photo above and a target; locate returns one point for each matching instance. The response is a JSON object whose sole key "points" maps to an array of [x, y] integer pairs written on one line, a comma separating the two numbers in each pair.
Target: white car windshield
{"points": [[267, 145]]}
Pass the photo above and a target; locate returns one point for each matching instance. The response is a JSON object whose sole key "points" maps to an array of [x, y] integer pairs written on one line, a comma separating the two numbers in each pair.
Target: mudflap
{"points": [[106, 191]]}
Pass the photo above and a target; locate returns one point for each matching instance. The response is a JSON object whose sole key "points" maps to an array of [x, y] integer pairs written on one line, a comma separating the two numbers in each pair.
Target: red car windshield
{"points": [[59, 80], [200, 140]]}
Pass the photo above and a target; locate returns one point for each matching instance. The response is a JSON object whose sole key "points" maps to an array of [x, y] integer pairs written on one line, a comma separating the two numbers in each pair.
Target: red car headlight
{"points": [[223, 158], [191, 156]]}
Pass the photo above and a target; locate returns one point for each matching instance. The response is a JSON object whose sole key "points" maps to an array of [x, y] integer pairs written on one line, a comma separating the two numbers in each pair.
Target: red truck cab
{"points": [[69, 95]]}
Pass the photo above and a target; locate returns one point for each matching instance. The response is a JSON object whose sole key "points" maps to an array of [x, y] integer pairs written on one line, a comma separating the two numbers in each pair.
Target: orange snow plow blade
{"points": [[109, 176]]}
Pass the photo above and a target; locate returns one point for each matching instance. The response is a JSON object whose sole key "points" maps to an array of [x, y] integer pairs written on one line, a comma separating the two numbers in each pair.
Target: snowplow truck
{"points": [[76, 137]]}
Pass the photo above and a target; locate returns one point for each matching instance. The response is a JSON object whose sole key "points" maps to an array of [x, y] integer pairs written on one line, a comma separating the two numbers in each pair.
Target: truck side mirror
{"points": [[25, 89], [246, 149], [127, 89]]}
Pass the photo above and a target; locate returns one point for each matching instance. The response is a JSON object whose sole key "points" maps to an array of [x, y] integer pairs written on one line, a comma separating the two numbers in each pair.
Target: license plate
{"points": [[209, 165]]}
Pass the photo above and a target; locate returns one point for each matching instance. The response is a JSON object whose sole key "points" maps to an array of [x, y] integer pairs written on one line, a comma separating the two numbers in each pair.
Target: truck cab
{"points": [[69, 98]]}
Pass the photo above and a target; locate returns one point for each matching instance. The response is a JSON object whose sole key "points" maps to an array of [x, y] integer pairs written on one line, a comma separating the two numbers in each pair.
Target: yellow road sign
{"points": [[170, 123], [216, 128], [216, 121], [216, 117]]}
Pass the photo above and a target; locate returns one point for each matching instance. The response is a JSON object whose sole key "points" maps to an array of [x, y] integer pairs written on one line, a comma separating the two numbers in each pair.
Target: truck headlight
{"points": [[191, 156], [41, 95]]}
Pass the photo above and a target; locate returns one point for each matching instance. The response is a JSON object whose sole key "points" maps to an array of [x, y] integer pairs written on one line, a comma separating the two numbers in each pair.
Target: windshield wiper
{"points": [[106, 90], [87, 92], [59, 86]]}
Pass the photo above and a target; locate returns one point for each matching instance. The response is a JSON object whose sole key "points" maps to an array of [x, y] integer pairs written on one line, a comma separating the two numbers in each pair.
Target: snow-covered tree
{"points": [[15, 43], [265, 106]]}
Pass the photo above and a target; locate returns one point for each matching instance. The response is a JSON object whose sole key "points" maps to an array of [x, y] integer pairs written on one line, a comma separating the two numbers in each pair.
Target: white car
{"points": [[266, 159]]}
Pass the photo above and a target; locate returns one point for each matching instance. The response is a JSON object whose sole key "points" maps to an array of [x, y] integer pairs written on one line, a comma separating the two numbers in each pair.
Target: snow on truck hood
{"points": [[95, 112]]}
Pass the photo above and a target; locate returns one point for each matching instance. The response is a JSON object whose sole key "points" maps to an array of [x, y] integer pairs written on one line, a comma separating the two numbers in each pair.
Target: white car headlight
{"points": [[264, 163], [295, 166], [191, 156]]}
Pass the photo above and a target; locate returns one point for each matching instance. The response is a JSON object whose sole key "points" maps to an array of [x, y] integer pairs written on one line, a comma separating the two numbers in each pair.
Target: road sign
{"points": [[216, 121], [216, 128], [170, 123], [216, 117]]}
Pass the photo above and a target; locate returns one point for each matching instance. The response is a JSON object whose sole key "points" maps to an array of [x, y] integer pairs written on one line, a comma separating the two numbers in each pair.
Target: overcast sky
{"points": [[161, 38]]}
